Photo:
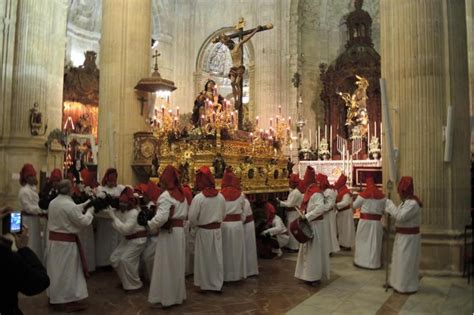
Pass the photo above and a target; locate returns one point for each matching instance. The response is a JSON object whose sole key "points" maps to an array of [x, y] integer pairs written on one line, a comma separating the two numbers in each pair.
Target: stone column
{"points": [[424, 60], [32, 71], [125, 59]]}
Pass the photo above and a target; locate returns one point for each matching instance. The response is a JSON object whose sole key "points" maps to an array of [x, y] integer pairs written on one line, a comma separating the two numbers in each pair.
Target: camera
{"points": [[12, 223]]}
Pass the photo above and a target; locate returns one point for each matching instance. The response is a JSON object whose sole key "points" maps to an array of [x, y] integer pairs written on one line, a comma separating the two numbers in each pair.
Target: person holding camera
{"points": [[20, 271], [106, 237], [126, 257], [66, 262], [28, 199]]}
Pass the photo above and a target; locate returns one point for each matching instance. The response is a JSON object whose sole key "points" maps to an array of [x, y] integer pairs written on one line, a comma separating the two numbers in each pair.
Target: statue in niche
{"points": [[36, 121], [219, 166], [208, 94], [83, 125]]}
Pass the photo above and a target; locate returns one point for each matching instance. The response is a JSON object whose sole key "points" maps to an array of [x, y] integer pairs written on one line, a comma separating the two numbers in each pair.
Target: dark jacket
{"points": [[19, 272]]}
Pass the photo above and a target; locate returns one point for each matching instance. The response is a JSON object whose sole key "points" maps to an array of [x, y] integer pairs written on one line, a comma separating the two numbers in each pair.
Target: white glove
{"points": [[264, 233], [90, 211]]}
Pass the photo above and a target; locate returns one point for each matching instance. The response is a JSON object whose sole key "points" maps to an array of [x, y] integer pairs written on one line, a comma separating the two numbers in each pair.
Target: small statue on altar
{"points": [[374, 148], [219, 166], [209, 94]]}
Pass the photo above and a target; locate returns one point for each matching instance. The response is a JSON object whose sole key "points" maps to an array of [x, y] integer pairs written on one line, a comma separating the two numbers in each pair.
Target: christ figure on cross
{"points": [[237, 71]]}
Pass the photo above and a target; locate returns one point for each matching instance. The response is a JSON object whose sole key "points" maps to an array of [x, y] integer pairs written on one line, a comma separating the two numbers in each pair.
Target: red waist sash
{"points": [[370, 216], [291, 209], [72, 238], [321, 217], [139, 234], [232, 218], [345, 208], [408, 230], [177, 222], [211, 226], [248, 218]]}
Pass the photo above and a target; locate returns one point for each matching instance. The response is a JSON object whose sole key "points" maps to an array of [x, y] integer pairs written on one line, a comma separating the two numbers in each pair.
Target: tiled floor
{"points": [[276, 291]]}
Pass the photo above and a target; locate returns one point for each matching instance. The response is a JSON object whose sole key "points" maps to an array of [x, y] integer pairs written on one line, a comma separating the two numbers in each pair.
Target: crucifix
{"points": [[142, 102], [155, 56], [237, 71]]}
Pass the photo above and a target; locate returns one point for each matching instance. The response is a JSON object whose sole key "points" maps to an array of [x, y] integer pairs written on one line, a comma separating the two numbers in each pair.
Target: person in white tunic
{"points": [[189, 233], [404, 275], [369, 235], [167, 285], [126, 257], [235, 267], [106, 237], [86, 235], [312, 259], [344, 217], [250, 241], [28, 200], [66, 263], [295, 198], [206, 214], [330, 196], [276, 230], [150, 193]]}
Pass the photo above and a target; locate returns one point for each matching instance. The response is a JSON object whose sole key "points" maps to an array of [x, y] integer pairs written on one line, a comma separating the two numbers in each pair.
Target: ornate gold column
{"points": [[32, 51], [424, 61], [124, 60]]}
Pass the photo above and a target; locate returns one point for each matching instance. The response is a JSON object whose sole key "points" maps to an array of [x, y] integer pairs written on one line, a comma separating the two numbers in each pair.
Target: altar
{"points": [[355, 170]]}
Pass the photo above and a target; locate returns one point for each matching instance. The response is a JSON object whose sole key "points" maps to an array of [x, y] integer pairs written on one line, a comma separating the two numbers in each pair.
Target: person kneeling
{"points": [[126, 257], [275, 230]]}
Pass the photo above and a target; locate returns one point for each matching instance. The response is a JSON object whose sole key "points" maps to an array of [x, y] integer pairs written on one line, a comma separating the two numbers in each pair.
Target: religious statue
{"points": [[83, 126], [36, 121], [289, 166], [207, 95], [237, 70], [219, 166], [357, 117]]}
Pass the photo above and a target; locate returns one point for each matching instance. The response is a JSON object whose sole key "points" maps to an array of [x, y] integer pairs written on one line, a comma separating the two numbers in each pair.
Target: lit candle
{"points": [[175, 121], [251, 135], [279, 109], [271, 121], [170, 112], [256, 121], [330, 140], [288, 132], [162, 110], [158, 124], [232, 118], [326, 131], [177, 111], [276, 120], [202, 120], [289, 121]]}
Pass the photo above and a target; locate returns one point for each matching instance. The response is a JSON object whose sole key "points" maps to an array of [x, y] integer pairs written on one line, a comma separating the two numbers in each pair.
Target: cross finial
{"points": [[240, 24], [155, 56]]}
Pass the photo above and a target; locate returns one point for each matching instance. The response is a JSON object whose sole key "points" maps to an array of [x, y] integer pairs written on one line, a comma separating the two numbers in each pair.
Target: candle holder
{"points": [[374, 148]]}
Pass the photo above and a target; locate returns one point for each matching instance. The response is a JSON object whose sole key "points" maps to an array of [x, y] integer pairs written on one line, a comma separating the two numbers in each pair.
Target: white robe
{"points": [[295, 198], [369, 235], [28, 199], [86, 236], [313, 262], [106, 237], [208, 260], [126, 257], [404, 275], [330, 196], [250, 242], [233, 247], [345, 222], [278, 231], [190, 235], [67, 281], [148, 255], [167, 282]]}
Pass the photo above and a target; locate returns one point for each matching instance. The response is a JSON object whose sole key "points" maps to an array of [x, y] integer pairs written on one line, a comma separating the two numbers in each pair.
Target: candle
{"points": [[271, 121], [375, 129], [158, 124], [279, 109], [232, 118], [288, 132], [170, 112], [310, 144], [177, 111], [162, 110], [289, 121], [202, 120], [276, 120], [256, 121], [326, 131], [330, 140], [175, 122], [368, 133], [213, 116], [251, 135]]}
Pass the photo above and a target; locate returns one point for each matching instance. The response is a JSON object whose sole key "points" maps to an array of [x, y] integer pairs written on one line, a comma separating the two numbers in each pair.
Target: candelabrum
{"points": [[323, 149], [164, 125], [218, 117], [274, 138]]}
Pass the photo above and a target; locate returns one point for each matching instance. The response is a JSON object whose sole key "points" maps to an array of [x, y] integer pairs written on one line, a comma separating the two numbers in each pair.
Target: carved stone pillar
{"points": [[424, 60], [125, 59], [31, 72]]}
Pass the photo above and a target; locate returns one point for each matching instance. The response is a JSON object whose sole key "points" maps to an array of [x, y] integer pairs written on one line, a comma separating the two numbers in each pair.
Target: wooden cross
{"points": [[142, 102]]}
